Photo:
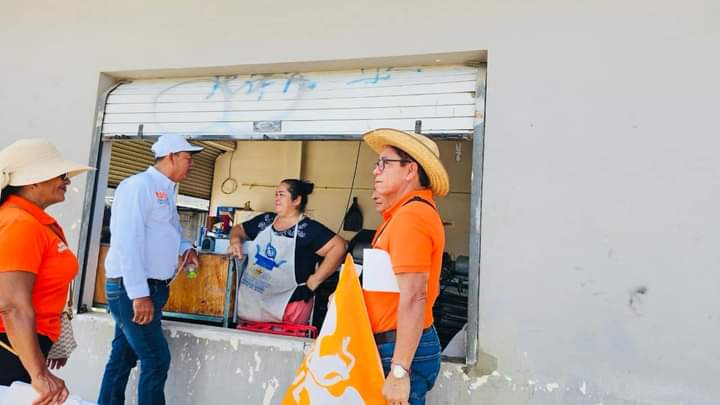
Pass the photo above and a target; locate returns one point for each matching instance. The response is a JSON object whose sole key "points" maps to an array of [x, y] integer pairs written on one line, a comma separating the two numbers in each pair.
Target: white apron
{"points": [[268, 282]]}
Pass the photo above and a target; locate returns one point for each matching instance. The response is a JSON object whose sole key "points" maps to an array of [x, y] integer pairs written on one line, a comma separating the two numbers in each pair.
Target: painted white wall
{"points": [[600, 173], [213, 365]]}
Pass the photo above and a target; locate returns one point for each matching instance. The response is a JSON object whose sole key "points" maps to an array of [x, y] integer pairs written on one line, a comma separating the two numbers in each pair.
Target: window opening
{"points": [[456, 91]]}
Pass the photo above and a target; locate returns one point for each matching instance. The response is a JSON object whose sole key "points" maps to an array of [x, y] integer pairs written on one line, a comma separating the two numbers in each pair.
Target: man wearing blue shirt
{"points": [[145, 243]]}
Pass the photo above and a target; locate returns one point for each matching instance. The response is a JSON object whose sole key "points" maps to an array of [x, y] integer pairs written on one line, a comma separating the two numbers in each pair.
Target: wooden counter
{"points": [[204, 295]]}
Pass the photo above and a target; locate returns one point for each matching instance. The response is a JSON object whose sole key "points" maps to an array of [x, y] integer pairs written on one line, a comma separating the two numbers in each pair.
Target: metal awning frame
{"points": [[284, 137]]}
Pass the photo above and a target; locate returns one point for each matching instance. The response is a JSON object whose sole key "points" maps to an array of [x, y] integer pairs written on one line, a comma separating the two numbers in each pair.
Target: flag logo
{"points": [[343, 367]]}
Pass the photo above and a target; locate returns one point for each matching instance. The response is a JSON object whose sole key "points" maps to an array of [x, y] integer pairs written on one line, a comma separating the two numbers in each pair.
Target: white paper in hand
{"points": [[378, 273]]}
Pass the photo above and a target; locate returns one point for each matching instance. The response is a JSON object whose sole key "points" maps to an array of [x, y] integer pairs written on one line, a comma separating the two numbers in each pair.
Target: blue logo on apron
{"points": [[267, 262]]}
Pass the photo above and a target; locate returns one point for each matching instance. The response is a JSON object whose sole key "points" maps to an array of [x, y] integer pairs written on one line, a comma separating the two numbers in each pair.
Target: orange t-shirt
{"points": [[414, 237], [28, 242]]}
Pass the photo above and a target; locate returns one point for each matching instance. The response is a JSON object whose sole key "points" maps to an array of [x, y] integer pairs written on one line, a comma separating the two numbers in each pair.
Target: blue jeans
{"points": [[133, 342], [425, 365]]}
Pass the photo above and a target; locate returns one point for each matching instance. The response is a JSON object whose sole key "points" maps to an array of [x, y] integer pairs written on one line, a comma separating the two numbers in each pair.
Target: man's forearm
{"points": [[410, 317]]}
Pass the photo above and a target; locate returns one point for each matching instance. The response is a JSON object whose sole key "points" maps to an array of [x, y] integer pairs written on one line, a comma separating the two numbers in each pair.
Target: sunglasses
{"points": [[63, 177]]}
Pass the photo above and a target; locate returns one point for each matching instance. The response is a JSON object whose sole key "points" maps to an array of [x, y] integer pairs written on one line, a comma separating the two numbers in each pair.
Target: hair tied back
{"points": [[307, 187]]}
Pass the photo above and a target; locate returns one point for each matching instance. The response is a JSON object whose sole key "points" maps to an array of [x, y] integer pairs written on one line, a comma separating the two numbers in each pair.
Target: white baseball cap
{"points": [[168, 144]]}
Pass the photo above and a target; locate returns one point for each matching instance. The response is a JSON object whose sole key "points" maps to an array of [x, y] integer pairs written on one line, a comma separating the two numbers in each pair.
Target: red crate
{"points": [[286, 329]]}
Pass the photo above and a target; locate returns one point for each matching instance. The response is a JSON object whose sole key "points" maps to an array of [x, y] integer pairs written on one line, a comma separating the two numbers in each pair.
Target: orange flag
{"points": [[343, 366]]}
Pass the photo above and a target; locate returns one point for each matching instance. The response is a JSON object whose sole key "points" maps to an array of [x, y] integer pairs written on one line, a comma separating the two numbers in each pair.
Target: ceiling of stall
{"points": [[134, 156]]}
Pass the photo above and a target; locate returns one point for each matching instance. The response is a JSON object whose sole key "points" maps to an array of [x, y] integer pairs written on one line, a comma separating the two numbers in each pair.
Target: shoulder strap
{"points": [[420, 199], [8, 348]]}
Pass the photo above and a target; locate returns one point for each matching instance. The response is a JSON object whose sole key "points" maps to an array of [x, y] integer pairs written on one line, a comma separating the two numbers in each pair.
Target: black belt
{"points": [[390, 335], [150, 281]]}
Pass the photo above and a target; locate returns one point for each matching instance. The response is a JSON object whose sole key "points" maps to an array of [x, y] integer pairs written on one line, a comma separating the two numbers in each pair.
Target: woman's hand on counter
{"points": [[237, 236], [236, 250]]}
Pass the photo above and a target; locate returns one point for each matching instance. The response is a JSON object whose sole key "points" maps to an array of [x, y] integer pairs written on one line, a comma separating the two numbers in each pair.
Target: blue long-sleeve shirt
{"points": [[146, 237]]}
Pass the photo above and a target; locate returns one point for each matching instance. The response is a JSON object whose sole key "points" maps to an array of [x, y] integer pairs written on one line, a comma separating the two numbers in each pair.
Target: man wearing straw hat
{"points": [[145, 242], [408, 173]]}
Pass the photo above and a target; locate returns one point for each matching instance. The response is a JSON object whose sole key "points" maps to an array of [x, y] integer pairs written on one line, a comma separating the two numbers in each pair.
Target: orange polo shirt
{"points": [[414, 237], [29, 241]]}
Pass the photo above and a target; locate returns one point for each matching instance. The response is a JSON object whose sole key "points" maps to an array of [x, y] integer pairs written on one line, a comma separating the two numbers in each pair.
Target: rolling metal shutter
{"points": [[315, 105], [134, 156]]}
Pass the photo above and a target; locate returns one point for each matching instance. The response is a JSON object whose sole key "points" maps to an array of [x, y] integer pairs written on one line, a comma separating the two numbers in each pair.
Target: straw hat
{"points": [[420, 147], [30, 161]]}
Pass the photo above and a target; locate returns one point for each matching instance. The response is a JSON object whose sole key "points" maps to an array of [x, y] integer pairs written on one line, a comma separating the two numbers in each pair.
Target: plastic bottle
{"points": [[191, 270]]}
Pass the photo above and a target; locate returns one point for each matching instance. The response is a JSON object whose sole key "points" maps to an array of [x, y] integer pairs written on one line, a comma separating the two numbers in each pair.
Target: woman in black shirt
{"points": [[285, 248]]}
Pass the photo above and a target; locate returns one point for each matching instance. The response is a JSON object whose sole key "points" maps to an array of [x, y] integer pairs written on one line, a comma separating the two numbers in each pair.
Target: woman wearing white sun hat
{"points": [[36, 265]]}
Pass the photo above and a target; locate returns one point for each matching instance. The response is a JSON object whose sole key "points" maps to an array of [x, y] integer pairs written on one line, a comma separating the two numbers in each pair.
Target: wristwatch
{"points": [[398, 371]]}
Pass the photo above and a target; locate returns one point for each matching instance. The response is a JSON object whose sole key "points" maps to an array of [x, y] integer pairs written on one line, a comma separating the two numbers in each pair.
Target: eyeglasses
{"points": [[380, 164]]}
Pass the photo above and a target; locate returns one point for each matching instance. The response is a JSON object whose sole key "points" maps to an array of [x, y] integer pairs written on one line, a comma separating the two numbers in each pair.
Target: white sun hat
{"points": [[30, 161]]}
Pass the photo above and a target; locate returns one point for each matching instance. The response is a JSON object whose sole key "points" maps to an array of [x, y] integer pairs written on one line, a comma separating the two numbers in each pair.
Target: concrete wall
{"points": [[600, 225], [256, 369], [213, 365]]}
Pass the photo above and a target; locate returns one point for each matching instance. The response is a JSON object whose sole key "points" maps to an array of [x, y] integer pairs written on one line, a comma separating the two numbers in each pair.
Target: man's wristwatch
{"points": [[398, 371]]}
